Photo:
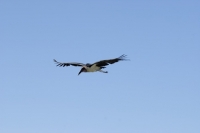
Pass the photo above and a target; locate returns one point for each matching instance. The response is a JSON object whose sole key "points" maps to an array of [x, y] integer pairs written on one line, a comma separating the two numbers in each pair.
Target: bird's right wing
{"points": [[68, 64], [110, 61]]}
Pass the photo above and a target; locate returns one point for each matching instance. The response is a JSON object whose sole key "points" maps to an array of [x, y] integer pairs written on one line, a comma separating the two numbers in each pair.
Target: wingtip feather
{"points": [[123, 57]]}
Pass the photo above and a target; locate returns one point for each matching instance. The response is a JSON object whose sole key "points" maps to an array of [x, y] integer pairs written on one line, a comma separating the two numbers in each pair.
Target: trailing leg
{"points": [[103, 71]]}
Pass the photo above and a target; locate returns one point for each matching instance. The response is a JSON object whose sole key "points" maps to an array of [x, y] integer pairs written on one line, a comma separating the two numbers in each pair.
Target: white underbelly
{"points": [[94, 68]]}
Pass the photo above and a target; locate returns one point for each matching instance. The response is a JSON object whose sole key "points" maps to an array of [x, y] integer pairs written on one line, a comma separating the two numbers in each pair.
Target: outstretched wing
{"points": [[110, 61], [68, 64]]}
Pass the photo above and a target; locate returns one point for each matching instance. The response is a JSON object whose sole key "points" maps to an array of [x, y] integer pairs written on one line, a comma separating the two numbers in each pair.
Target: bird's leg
{"points": [[103, 71]]}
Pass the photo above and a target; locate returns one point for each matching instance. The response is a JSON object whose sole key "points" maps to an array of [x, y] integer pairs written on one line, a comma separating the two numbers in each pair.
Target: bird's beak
{"points": [[82, 69]]}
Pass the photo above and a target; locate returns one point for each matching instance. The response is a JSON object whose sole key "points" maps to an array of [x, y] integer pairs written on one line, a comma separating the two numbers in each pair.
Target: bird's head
{"points": [[82, 70]]}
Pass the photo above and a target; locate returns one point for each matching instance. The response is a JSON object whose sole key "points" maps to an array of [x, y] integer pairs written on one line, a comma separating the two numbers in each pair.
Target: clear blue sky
{"points": [[158, 91]]}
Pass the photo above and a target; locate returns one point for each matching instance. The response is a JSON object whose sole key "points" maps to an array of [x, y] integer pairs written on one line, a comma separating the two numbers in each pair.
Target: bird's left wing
{"points": [[110, 61], [68, 64]]}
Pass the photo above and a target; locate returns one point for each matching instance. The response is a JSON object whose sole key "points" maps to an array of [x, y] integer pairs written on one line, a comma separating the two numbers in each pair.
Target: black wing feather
{"points": [[110, 61], [68, 64]]}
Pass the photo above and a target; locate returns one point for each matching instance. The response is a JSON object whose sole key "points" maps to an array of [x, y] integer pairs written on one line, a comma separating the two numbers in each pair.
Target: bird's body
{"points": [[97, 66], [93, 68]]}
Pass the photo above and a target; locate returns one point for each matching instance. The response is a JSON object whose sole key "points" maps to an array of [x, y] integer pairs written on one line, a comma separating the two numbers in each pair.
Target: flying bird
{"points": [[97, 66]]}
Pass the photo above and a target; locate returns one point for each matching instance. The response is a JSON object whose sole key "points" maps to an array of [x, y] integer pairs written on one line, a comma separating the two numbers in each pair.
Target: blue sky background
{"points": [[158, 91]]}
